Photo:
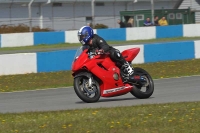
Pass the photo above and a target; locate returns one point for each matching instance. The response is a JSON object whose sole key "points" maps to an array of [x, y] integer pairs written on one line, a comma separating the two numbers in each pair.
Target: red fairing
{"points": [[130, 54], [79, 62], [105, 69]]}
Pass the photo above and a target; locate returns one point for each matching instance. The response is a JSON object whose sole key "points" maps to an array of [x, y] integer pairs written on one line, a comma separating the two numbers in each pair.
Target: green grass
{"points": [[44, 47], [34, 81], [156, 118]]}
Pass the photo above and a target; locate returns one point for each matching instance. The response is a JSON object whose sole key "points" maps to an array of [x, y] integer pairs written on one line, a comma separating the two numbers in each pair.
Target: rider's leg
{"points": [[128, 70], [116, 56]]}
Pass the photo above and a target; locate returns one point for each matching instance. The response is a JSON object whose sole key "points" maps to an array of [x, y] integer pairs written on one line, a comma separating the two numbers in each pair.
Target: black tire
{"points": [[83, 94], [136, 91]]}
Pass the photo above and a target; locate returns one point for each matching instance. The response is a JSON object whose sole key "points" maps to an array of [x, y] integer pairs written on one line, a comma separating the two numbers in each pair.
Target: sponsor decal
{"points": [[113, 90]]}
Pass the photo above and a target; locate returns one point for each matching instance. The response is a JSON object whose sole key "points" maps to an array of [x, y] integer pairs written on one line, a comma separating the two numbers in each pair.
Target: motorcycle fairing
{"points": [[77, 64], [130, 54], [104, 68]]}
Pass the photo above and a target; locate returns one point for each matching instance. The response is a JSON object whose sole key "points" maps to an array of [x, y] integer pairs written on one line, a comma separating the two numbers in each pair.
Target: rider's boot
{"points": [[129, 73], [127, 69]]}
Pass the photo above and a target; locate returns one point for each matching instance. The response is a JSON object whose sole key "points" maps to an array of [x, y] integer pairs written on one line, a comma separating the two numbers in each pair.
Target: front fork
{"points": [[89, 86], [90, 82]]}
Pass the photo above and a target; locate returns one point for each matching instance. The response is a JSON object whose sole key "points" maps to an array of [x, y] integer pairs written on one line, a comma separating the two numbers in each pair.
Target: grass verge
{"points": [[44, 47], [155, 118], [34, 81]]}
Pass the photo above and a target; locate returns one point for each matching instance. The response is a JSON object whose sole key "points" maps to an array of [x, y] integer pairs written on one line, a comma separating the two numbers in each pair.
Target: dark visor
{"points": [[81, 37]]}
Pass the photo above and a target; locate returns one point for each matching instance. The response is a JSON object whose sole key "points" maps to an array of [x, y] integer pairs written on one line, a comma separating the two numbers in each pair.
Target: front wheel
{"points": [[145, 90], [84, 92]]}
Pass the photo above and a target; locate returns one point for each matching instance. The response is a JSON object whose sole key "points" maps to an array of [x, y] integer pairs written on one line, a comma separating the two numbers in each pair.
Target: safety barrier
{"points": [[115, 34], [62, 59]]}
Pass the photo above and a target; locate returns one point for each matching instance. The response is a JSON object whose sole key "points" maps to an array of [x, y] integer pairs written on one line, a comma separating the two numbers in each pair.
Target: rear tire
{"points": [[82, 94], [136, 91]]}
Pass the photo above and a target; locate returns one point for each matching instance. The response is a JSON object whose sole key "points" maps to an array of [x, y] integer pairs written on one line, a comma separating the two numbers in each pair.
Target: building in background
{"points": [[72, 14], [193, 4], [173, 16]]}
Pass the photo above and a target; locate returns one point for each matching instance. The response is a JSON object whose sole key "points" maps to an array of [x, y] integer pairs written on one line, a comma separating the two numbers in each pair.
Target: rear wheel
{"points": [[84, 92], [146, 89]]}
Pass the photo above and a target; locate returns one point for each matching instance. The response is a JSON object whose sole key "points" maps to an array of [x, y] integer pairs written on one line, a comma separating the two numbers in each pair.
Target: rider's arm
{"points": [[102, 44]]}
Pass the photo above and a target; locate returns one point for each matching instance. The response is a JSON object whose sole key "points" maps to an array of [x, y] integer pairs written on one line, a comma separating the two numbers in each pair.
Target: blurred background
{"points": [[62, 15]]}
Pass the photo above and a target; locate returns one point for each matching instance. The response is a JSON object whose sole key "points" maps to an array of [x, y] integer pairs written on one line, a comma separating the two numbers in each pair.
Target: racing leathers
{"points": [[98, 43]]}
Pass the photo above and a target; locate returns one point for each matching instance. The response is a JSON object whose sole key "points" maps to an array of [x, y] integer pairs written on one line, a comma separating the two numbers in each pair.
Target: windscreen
{"points": [[78, 52]]}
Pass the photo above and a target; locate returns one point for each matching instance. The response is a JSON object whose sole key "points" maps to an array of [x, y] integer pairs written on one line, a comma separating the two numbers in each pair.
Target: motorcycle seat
{"points": [[130, 54]]}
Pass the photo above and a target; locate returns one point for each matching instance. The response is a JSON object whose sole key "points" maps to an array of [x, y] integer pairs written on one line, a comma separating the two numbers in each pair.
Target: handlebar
{"points": [[92, 54]]}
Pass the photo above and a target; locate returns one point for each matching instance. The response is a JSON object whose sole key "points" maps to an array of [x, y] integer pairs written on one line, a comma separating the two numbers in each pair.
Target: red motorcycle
{"points": [[96, 75]]}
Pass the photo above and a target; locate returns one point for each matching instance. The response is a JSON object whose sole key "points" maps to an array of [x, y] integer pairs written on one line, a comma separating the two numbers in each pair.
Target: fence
{"points": [[70, 14]]}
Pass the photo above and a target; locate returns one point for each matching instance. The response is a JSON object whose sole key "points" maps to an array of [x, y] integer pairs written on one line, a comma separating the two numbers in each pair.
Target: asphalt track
{"points": [[166, 91]]}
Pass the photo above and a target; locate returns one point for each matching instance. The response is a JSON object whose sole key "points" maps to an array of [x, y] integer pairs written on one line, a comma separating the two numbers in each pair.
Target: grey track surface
{"points": [[166, 90]]}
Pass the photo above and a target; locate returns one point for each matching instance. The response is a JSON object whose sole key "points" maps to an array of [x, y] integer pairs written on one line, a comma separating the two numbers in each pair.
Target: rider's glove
{"points": [[99, 51]]}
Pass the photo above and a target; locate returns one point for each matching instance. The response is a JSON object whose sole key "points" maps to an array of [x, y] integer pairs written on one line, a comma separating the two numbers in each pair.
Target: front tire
{"points": [[137, 89], [85, 93]]}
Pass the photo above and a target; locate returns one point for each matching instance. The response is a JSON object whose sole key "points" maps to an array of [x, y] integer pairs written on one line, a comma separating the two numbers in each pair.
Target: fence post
{"points": [[30, 17]]}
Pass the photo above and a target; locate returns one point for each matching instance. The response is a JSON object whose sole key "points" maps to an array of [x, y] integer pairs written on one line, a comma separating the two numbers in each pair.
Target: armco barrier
{"points": [[140, 33], [169, 51], [191, 30], [62, 60], [16, 39], [118, 34], [169, 31], [55, 61], [18, 63], [49, 37], [115, 34], [197, 49]]}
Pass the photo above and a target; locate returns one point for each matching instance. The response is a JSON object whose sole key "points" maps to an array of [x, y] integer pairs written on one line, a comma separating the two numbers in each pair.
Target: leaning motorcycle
{"points": [[96, 75]]}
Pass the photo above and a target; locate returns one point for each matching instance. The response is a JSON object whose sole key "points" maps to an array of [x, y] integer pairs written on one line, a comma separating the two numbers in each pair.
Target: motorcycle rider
{"points": [[92, 41]]}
